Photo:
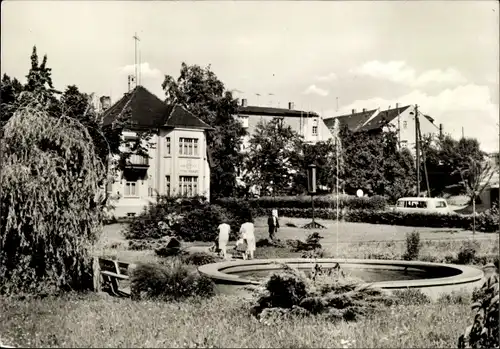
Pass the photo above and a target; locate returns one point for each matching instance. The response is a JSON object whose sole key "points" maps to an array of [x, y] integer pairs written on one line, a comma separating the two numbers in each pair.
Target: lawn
{"points": [[224, 322], [97, 320], [355, 240]]}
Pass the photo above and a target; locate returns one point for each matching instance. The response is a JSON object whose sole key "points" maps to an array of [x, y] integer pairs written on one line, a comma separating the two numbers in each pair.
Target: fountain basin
{"points": [[433, 279]]}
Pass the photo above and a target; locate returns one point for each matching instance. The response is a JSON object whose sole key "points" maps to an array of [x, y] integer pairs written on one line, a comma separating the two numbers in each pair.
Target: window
{"points": [[167, 146], [188, 185], [315, 130], [416, 204], [440, 204], [131, 189], [167, 185], [405, 124], [188, 146]]}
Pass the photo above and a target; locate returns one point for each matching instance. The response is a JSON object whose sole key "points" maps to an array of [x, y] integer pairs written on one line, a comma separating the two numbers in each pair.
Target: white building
{"points": [[402, 119], [178, 158]]}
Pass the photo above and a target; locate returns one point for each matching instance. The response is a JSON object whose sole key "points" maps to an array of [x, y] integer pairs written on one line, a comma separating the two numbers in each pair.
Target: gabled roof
{"points": [[178, 116], [147, 110], [254, 110], [353, 121], [382, 118], [368, 120]]}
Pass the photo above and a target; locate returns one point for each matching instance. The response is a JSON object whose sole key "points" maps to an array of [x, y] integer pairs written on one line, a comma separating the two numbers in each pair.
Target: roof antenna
{"points": [[136, 39]]}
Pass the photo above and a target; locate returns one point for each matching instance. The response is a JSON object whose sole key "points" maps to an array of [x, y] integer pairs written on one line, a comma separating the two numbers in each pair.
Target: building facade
{"points": [[309, 125], [402, 119], [178, 161]]}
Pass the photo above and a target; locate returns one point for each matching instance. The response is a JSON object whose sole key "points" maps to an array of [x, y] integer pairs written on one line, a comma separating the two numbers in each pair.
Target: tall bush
{"points": [[413, 246], [51, 204]]}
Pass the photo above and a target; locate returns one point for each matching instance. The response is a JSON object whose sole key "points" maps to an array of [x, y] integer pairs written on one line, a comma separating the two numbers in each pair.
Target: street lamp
{"points": [[311, 187]]}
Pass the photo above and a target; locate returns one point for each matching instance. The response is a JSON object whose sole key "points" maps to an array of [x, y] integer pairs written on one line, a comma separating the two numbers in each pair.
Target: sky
{"points": [[328, 57]]}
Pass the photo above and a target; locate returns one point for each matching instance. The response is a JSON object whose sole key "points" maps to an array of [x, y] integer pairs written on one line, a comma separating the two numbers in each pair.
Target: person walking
{"points": [[224, 230], [248, 235], [273, 224]]}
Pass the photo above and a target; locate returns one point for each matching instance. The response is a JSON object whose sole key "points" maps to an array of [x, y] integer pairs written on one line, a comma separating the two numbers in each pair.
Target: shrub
{"points": [[312, 243], [413, 246], [51, 206], [410, 296], [483, 333], [468, 252], [170, 281], [159, 218], [264, 204], [199, 258], [488, 221], [328, 293], [200, 224]]}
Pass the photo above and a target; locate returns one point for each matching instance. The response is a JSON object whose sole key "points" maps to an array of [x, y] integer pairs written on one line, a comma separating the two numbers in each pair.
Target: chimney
{"points": [[244, 102], [364, 110], [397, 105], [290, 105], [105, 102], [354, 111]]}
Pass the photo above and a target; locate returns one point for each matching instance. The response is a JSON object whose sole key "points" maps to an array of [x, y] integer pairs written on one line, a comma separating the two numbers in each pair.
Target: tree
{"points": [[10, 91], [323, 155], [274, 157], [202, 93], [51, 205], [443, 156], [475, 177], [374, 164]]}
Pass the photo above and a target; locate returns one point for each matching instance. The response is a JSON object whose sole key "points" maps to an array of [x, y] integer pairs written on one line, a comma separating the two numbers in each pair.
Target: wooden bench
{"points": [[112, 272]]}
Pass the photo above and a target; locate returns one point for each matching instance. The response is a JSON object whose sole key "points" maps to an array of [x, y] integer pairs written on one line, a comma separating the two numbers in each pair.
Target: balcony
{"points": [[137, 161]]}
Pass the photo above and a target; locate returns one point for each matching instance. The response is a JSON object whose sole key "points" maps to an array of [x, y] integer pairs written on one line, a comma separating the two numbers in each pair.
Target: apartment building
{"points": [[308, 124], [178, 161]]}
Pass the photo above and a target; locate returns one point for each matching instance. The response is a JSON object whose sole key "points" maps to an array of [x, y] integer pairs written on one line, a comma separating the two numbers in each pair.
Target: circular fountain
{"points": [[433, 279]]}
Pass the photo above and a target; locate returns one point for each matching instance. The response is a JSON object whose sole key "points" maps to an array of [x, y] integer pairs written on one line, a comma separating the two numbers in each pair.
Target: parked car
{"points": [[423, 205]]}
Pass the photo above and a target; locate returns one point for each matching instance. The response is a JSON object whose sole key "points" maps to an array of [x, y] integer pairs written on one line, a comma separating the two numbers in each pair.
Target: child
{"points": [[241, 248]]}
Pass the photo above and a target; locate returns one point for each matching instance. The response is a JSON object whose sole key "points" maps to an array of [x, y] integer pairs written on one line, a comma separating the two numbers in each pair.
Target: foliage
{"points": [[311, 243], [273, 157], [159, 218], [413, 246], [304, 202], [443, 156], [410, 296], [327, 292], [374, 164], [199, 258], [323, 155], [10, 90], [200, 224], [169, 281], [488, 220], [468, 252], [51, 205], [201, 92], [483, 333]]}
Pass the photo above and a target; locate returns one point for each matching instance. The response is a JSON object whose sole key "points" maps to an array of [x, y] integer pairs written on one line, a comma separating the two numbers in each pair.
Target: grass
{"points": [[94, 321], [225, 321]]}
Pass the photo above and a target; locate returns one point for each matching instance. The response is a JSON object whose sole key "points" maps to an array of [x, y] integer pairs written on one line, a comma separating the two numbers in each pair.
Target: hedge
{"points": [[485, 222], [304, 202]]}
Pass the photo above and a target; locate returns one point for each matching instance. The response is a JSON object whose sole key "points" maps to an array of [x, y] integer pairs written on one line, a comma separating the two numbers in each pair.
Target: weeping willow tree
{"points": [[51, 203]]}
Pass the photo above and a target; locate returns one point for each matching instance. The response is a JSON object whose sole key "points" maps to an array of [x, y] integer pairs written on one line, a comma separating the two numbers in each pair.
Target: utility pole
{"points": [[463, 132], [417, 148], [440, 131]]}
